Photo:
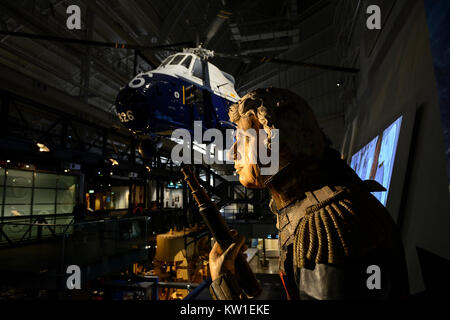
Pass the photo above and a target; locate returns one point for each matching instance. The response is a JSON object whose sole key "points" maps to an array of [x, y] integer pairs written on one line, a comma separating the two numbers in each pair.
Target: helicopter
{"points": [[184, 88]]}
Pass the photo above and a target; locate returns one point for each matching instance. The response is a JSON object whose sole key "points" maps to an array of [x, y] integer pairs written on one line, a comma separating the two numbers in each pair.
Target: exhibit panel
{"points": [[376, 160]]}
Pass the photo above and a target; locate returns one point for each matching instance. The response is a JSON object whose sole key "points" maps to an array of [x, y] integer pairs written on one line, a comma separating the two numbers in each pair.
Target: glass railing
{"points": [[102, 238], [96, 247], [26, 229]]}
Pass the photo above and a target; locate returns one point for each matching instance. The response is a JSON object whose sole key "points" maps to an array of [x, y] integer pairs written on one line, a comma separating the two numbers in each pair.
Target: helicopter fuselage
{"points": [[183, 89]]}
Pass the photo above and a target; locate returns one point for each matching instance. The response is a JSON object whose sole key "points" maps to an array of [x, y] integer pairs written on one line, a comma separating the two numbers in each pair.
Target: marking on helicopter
{"points": [[126, 116], [176, 94], [134, 85]]}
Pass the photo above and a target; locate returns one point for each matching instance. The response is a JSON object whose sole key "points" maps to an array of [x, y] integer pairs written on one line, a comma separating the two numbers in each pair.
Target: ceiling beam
{"points": [[110, 17], [35, 24], [47, 68], [267, 36], [173, 19]]}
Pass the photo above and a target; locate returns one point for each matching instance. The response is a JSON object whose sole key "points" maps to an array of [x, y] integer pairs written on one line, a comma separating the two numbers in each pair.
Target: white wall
{"points": [[396, 79]]}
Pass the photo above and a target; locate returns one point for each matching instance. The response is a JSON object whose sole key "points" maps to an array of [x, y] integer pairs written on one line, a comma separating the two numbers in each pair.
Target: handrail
{"points": [[35, 224], [194, 293], [40, 223], [24, 217]]}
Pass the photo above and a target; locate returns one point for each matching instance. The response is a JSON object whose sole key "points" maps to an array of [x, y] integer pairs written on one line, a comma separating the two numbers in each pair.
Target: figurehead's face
{"points": [[291, 131], [245, 152]]}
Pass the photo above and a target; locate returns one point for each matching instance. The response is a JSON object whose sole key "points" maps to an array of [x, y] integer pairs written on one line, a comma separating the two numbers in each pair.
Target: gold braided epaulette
{"points": [[335, 230]]}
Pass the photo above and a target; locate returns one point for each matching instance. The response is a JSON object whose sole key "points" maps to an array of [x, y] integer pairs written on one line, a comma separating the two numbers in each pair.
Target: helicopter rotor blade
{"points": [[223, 15], [115, 45], [287, 62]]}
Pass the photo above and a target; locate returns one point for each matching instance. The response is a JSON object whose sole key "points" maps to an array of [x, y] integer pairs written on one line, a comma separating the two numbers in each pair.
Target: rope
{"points": [[337, 229]]}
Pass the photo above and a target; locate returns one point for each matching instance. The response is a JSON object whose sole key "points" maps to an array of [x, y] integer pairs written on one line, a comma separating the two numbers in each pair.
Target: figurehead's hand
{"points": [[220, 262]]}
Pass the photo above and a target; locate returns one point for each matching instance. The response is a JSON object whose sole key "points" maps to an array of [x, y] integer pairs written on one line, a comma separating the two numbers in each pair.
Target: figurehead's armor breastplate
{"points": [[333, 219]]}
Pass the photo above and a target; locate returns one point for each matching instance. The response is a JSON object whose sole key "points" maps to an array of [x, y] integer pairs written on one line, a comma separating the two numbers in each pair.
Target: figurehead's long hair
{"points": [[277, 108]]}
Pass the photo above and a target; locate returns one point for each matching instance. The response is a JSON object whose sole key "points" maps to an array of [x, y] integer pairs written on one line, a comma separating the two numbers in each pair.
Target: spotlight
{"points": [[42, 147]]}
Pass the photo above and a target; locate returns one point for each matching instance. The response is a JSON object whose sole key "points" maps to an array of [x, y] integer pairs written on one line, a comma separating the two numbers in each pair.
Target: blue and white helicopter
{"points": [[183, 89]]}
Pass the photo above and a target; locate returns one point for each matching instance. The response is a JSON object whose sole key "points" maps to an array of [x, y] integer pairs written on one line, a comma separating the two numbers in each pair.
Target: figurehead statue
{"points": [[331, 228]]}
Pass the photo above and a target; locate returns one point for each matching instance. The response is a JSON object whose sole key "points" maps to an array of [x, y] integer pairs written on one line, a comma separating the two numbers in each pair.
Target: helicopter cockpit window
{"points": [[197, 70], [187, 62], [177, 59], [166, 61]]}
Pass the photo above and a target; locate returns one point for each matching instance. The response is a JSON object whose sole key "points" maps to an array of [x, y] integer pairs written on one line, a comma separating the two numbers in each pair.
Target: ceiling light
{"points": [[42, 147]]}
